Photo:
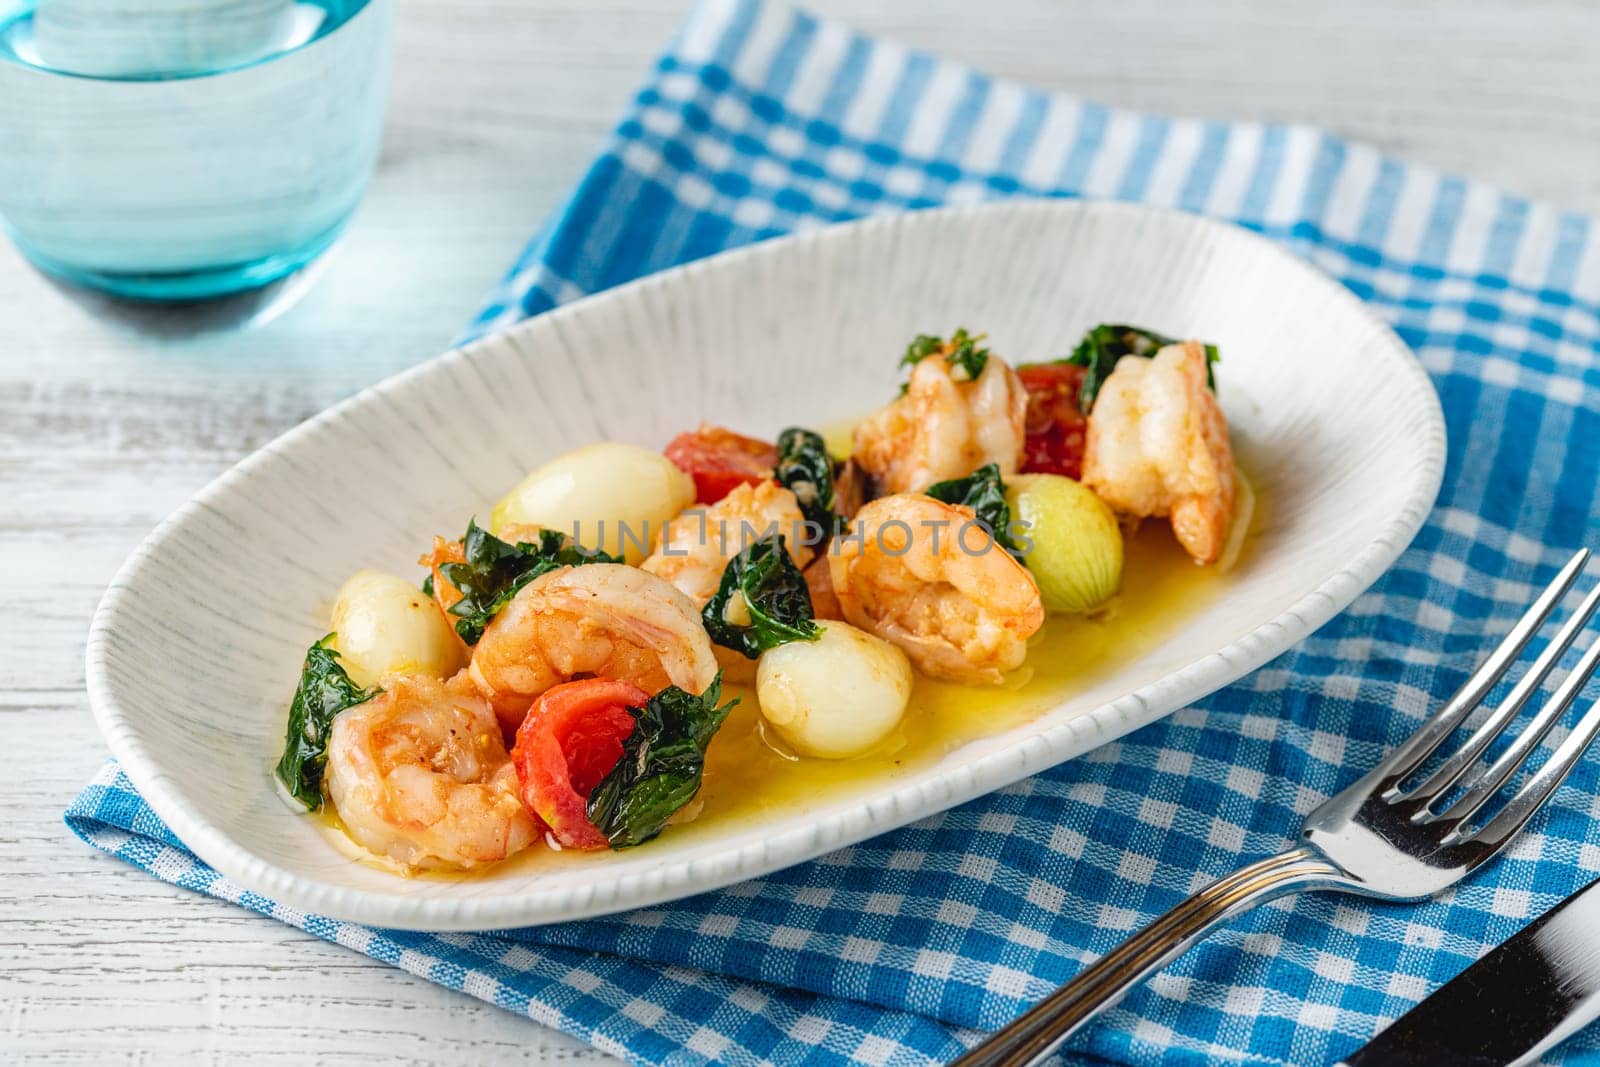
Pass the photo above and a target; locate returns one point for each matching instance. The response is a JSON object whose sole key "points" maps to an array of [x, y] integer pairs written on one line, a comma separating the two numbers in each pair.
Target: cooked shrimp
{"points": [[925, 576], [736, 668], [1158, 446], [694, 548], [819, 582], [419, 774], [944, 427], [598, 619], [849, 488], [445, 594]]}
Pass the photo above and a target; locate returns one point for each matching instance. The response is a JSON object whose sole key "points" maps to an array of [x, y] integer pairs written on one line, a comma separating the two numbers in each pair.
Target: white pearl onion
{"points": [[837, 696], [384, 624]]}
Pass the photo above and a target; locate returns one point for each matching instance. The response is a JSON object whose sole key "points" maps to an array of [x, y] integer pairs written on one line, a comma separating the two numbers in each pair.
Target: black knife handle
{"points": [[1519, 1000]]}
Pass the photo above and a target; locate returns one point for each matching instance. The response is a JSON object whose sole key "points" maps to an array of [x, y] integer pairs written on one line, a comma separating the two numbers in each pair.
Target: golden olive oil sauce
{"points": [[746, 775]]}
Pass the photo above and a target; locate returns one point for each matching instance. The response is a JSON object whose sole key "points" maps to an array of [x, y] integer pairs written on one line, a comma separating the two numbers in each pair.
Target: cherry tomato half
{"points": [[1055, 427], [571, 739], [720, 460]]}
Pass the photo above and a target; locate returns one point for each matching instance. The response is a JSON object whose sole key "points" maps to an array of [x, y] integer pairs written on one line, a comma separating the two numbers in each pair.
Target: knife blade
{"points": [[1518, 1002]]}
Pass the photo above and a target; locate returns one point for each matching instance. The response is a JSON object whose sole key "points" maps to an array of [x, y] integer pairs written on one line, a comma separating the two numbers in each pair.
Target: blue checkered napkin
{"points": [[761, 120]]}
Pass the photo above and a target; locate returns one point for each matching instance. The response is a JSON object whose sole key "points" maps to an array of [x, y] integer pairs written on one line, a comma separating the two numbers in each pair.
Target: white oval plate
{"points": [[197, 644]]}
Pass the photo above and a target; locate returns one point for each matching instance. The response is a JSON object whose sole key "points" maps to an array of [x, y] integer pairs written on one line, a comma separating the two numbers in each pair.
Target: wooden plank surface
{"points": [[110, 418]]}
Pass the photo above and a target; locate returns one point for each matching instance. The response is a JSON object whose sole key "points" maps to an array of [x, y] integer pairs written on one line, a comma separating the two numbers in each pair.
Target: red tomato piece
{"points": [[1056, 429], [571, 739], [720, 460]]}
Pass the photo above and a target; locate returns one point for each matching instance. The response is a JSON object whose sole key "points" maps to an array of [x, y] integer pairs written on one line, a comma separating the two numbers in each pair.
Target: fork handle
{"points": [[1042, 1029]]}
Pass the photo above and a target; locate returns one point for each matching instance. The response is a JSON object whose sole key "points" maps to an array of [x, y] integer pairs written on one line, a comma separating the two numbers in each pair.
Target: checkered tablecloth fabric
{"points": [[761, 120]]}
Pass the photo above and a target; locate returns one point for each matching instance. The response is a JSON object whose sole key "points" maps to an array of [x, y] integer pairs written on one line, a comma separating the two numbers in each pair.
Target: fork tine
{"points": [[1457, 765], [1520, 808], [1500, 772], [1420, 745]]}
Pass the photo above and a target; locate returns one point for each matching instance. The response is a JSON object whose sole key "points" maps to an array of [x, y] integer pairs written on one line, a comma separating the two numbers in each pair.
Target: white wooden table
{"points": [[109, 419]]}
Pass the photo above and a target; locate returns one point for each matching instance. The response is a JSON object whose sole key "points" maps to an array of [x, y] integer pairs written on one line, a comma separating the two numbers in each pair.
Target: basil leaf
{"points": [[920, 348], [661, 765], [806, 470], [495, 571], [965, 354], [962, 352], [985, 494], [324, 691], [762, 601], [1102, 346]]}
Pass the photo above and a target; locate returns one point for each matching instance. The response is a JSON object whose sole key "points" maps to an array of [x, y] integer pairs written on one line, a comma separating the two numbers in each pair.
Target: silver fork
{"points": [[1379, 838]]}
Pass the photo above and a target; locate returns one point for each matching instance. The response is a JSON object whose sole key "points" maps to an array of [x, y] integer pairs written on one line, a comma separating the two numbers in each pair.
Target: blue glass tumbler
{"points": [[161, 150]]}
